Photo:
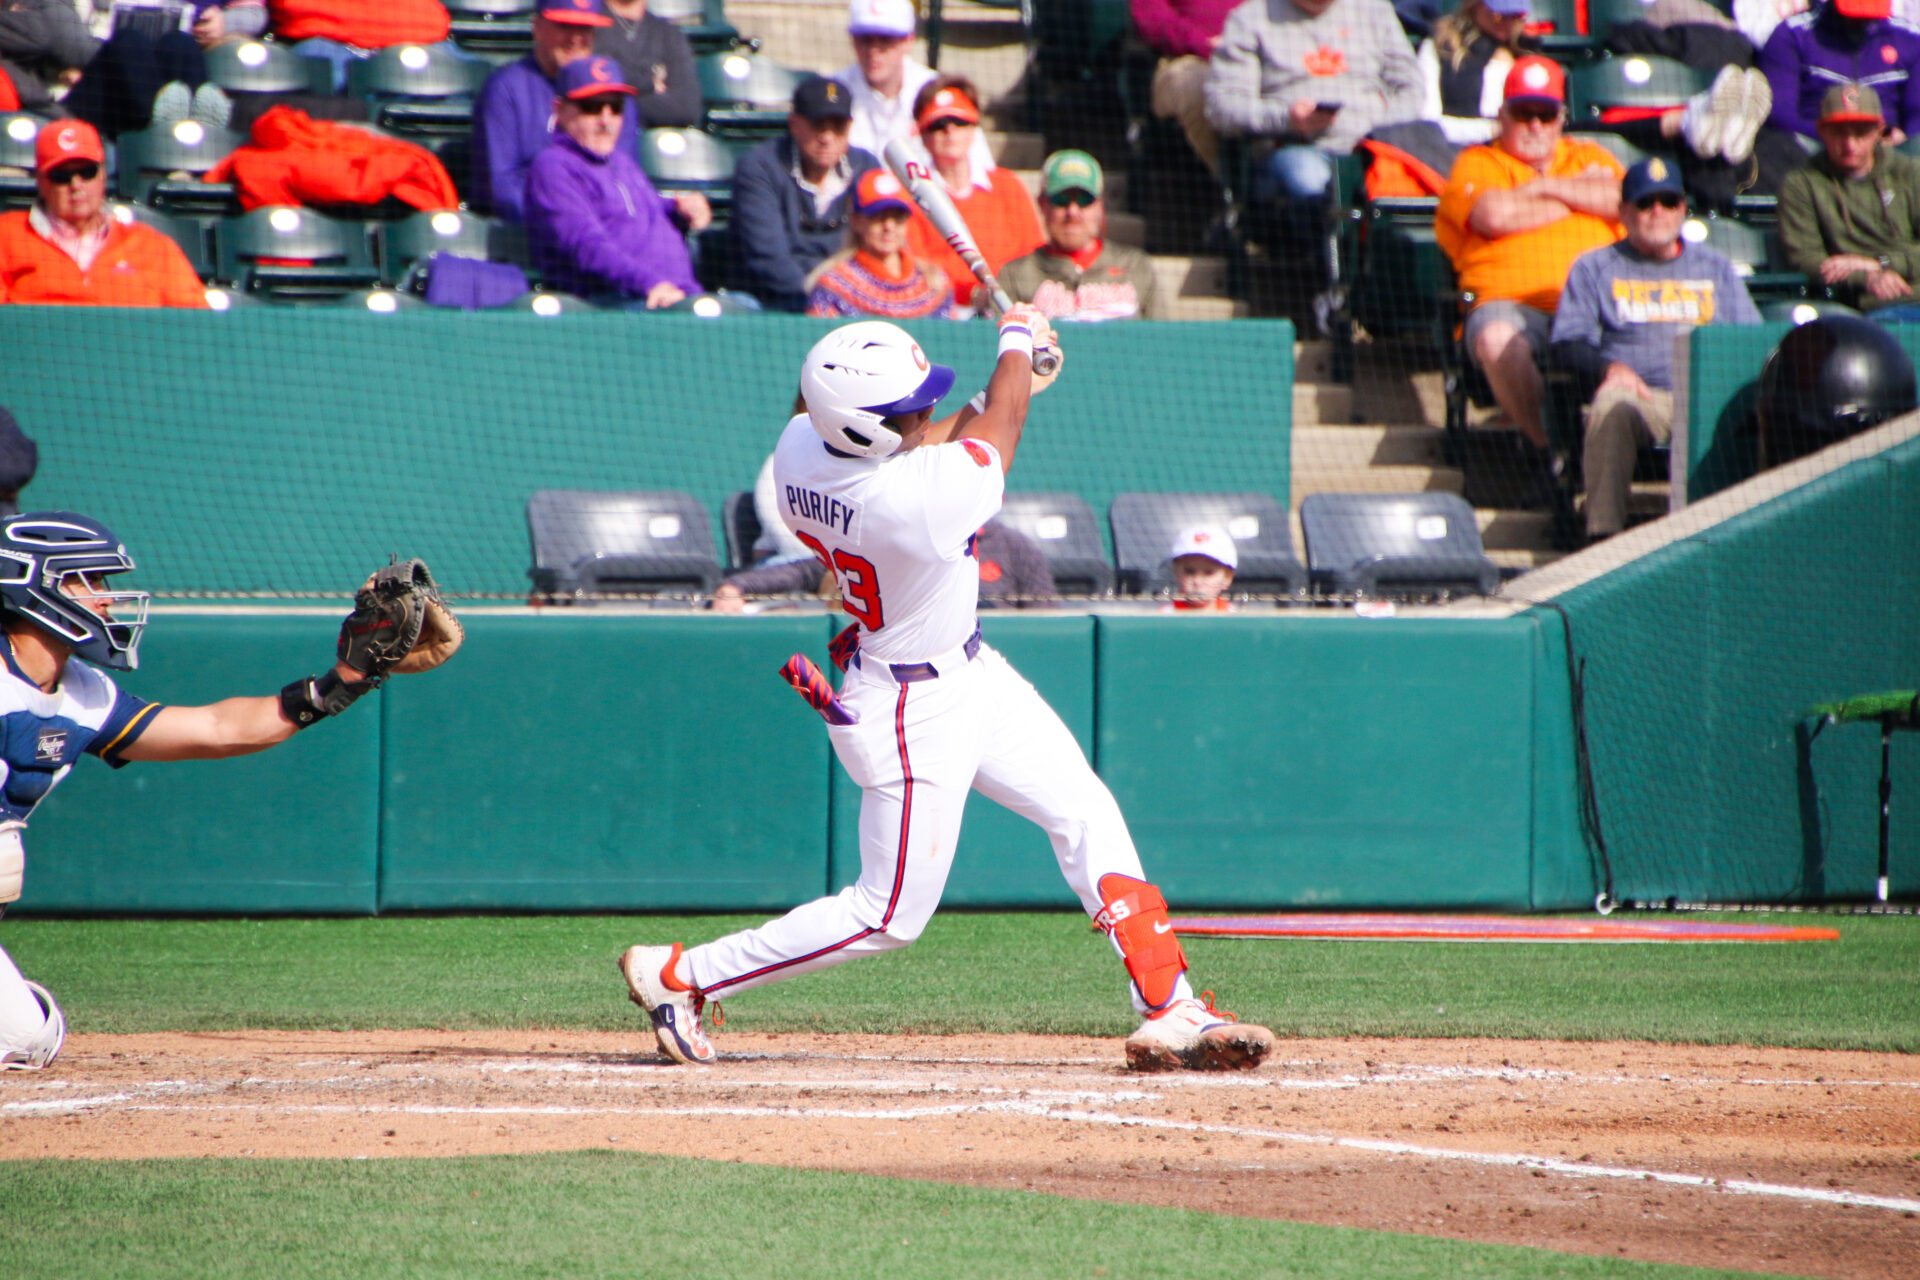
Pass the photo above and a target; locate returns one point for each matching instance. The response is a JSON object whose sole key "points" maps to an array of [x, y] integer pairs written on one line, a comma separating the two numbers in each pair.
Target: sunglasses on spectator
{"points": [[1534, 115], [1075, 197], [947, 122], [1666, 200], [86, 171], [609, 104]]}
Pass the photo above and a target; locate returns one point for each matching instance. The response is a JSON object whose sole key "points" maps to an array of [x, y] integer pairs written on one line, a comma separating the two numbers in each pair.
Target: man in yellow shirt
{"points": [[1513, 218]]}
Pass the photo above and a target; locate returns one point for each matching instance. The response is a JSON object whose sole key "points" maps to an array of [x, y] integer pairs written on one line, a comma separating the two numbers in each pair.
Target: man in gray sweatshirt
{"points": [[1313, 76]]}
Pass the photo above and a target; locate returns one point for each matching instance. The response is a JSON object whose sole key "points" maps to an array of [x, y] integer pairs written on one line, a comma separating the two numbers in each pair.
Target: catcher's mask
{"points": [[45, 556]]}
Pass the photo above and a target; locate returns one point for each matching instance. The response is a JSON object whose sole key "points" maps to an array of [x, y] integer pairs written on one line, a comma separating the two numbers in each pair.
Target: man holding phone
{"points": [[1314, 77]]}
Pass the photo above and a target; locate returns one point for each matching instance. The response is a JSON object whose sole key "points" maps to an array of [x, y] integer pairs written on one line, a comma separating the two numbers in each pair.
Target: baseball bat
{"points": [[940, 211]]}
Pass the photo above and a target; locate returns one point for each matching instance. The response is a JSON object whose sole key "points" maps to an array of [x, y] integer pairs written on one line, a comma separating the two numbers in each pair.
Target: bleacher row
{"points": [[591, 544]]}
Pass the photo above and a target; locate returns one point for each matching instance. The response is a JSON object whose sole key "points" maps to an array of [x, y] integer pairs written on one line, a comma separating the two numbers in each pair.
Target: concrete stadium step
{"points": [[1190, 277], [1365, 445], [1208, 309], [1310, 479], [1502, 529], [1021, 151], [1321, 404]]}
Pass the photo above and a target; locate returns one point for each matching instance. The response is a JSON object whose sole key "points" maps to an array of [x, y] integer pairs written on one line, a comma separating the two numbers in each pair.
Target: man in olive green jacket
{"points": [[1851, 219], [1078, 274]]}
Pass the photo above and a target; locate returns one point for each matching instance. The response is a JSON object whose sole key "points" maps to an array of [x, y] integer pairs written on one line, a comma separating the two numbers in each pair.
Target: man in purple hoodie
{"points": [[595, 225], [1843, 42], [1184, 33]]}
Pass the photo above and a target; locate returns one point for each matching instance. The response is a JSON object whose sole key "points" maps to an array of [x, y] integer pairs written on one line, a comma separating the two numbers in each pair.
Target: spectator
{"points": [[19, 459], [1623, 306], [513, 118], [1463, 68], [337, 32], [67, 249], [1078, 274], [877, 276], [1514, 216], [1203, 560], [595, 225], [1184, 33], [1315, 76], [1851, 218], [994, 203], [656, 60], [1850, 41], [885, 80], [1013, 574], [791, 195]]}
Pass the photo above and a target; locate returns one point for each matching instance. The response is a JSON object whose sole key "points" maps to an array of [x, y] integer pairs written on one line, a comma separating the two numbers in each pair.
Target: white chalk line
{"points": [[1034, 1108]]}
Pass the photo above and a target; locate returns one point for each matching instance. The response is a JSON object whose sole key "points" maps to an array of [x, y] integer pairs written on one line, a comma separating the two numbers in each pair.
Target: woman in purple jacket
{"points": [[595, 225]]}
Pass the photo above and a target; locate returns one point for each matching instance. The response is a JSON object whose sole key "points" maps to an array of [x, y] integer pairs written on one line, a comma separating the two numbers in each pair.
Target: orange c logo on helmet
{"points": [[919, 358]]}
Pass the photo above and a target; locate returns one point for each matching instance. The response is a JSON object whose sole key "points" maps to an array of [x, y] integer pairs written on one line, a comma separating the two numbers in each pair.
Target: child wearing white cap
{"points": [[1203, 558]]}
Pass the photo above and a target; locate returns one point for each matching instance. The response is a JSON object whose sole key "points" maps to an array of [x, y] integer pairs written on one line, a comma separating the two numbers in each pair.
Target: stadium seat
{"points": [[1755, 254], [936, 23], [1801, 310], [703, 22], [163, 168], [467, 235], [642, 542], [1615, 145], [745, 94], [1145, 524], [18, 130], [1400, 545], [191, 236], [741, 523], [414, 89], [380, 301], [1068, 533], [294, 254], [548, 302], [491, 28], [689, 160], [260, 66], [1637, 80]]}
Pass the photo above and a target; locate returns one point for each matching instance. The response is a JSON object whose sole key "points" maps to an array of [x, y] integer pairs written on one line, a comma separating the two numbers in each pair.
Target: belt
{"points": [[908, 672]]}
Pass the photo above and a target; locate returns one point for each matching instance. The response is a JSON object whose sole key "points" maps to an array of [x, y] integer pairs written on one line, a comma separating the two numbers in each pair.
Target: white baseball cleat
{"points": [[675, 1011], [1192, 1034], [40, 1052]]}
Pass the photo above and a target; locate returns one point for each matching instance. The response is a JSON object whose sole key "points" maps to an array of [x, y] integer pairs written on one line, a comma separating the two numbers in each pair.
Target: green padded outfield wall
{"points": [[1700, 659], [286, 449]]}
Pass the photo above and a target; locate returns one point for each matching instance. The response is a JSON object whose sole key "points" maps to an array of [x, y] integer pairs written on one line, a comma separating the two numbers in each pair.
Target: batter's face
{"points": [[1200, 578], [594, 123], [70, 198], [1074, 219], [912, 428], [1530, 131], [555, 44]]}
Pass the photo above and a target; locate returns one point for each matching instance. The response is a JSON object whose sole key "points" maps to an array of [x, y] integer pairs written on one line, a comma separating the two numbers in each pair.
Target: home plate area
{"points": [[1772, 1160]]}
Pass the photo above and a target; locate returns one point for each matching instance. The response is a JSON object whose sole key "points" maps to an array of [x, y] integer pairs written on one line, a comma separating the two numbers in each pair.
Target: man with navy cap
{"points": [[1622, 308], [595, 225], [791, 195], [513, 117]]}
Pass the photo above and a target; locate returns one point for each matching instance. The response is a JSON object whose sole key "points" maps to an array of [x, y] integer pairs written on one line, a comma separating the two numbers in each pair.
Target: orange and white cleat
{"points": [[1194, 1036]]}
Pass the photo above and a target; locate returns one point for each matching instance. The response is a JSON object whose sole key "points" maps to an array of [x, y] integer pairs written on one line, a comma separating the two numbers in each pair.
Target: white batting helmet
{"points": [[46, 1046], [862, 373]]}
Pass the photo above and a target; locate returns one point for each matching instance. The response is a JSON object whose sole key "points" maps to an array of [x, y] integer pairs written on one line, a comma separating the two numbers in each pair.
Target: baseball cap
{"points": [[818, 98], [880, 18], [1536, 79], [1850, 102], [1650, 177], [1071, 171], [1864, 8], [878, 191], [591, 78], [1511, 8], [579, 13], [1207, 540], [63, 140], [949, 104]]}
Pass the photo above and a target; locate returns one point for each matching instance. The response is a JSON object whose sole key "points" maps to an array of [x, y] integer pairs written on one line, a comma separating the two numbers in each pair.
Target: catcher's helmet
{"points": [[1828, 379], [862, 373], [40, 551], [43, 1048]]}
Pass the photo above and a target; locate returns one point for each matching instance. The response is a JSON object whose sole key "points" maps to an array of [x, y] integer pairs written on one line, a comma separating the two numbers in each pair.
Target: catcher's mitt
{"points": [[399, 624]]}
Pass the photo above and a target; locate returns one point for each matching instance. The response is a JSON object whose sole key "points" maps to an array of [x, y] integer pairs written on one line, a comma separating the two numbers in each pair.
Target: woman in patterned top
{"points": [[877, 276]]}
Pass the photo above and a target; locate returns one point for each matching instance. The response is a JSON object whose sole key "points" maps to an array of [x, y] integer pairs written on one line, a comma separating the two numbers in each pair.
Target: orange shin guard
{"points": [[1135, 917]]}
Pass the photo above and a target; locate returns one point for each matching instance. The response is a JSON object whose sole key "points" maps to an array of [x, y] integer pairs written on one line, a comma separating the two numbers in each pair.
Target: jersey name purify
{"points": [[42, 734], [897, 533]]}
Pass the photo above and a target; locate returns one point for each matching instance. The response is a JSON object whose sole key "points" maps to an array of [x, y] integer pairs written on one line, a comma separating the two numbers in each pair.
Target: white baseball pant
{"points": [[919, 746]]}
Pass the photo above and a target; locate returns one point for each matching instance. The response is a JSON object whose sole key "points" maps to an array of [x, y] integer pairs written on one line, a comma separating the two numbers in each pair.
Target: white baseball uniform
{"points": [[939, 711]]}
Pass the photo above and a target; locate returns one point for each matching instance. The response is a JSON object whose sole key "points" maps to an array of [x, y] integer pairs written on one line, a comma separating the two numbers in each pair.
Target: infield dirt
{"points": [[1800, 1162]]}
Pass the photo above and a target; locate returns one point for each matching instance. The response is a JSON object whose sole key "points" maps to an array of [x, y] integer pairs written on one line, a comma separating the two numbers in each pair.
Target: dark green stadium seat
{"points": [[464, 234], [221, 297], [413, 89], [703, 22], [1144, 526], [639, 542], [1615, 145], [380, 301], [1801, 310], [1637, 80], [1067, 532], [261, 66], [1397, 545], [294, 254], [1755, 254], [18, 129], [546, 302], [191, 236], [492, 27], [689, 160], [746, 94], [163, 168]]}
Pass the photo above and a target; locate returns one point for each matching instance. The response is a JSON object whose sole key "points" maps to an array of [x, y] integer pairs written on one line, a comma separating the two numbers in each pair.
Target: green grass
{"points": [[587, 1214], [974, 972]]}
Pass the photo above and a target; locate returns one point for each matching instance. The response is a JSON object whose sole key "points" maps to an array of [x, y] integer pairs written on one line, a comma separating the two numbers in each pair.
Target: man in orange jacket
{"points": [[68, 249]]}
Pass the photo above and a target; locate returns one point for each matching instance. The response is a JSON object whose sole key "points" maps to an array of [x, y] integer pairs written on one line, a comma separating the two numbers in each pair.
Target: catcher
{"points": [[55, 606]]}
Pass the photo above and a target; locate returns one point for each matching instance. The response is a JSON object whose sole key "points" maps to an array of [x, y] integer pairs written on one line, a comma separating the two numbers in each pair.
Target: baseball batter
{"points": [[55, 607], [890, 502]]}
